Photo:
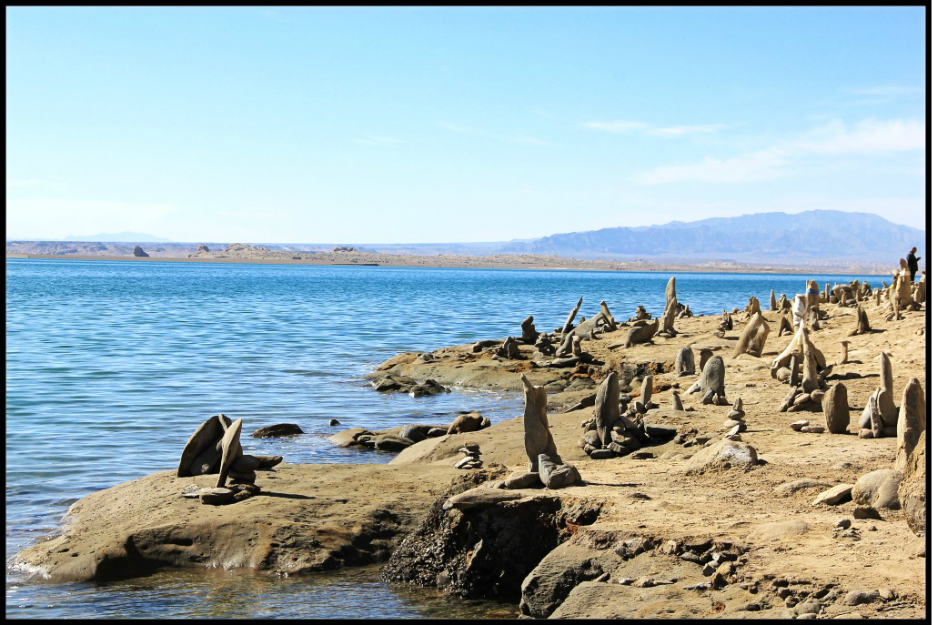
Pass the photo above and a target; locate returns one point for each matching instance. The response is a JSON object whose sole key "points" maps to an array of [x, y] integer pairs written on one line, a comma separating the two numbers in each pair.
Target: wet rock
{"points": [[387, 442], [333, 422], [429, 387], [279, 429], [469, 422]]}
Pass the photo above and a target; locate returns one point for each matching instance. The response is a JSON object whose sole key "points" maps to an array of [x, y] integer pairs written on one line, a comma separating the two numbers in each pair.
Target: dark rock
{"points": [[483, 551], [216, 496], [279, 429], [138, 252], [387, 442], [333, 422]]}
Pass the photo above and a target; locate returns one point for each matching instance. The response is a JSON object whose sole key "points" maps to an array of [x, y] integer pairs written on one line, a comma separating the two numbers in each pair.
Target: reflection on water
{"points": [[213, 593]]}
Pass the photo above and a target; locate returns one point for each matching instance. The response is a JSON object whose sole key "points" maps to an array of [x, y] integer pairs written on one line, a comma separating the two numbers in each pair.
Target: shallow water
{"points": [[112, 364]]}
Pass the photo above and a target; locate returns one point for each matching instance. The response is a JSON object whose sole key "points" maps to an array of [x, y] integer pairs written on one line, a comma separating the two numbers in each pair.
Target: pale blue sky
{"points": [[378, 125]]}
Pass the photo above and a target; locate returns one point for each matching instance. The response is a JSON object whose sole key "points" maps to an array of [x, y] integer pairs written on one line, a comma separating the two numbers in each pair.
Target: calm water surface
{"points": [[111, 366]]}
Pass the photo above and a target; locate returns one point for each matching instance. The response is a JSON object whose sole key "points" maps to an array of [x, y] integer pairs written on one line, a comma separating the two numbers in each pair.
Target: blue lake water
{"points": [[111, 365]]}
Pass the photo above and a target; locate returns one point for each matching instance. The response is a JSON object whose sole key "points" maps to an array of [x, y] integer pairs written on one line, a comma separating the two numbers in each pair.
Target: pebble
{"points": [[887, 594], [843, 524], [699, 586], [625, 581], [798, 425], [813, 429], [334, 422]]}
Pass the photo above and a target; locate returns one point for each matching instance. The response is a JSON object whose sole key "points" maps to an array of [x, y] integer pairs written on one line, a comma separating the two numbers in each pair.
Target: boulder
{"points": [[877, 489], [912, 490], [388, 442], [725, 454], [469, 422], [138, 252], [347, 438]]}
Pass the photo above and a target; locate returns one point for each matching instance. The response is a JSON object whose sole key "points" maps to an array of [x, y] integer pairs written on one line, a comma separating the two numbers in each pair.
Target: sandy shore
{"points": [[451, 261], [634, 540]]}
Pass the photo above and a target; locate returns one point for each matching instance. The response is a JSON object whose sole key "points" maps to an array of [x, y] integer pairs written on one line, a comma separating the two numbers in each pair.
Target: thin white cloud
{"points": [[762, 165], [867, 137]]}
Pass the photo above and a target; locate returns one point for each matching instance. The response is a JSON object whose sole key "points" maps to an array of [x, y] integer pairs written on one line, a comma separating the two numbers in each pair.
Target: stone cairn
{"points": [[214, 448], [471, 456], [808, 386], [545, 465], [879, 418], [735, 424], [609, 433]]}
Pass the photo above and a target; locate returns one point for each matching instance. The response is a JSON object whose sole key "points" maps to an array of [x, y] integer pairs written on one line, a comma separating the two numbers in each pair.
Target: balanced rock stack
{"points": [[471, 456], [735, 423], [215, 448]]}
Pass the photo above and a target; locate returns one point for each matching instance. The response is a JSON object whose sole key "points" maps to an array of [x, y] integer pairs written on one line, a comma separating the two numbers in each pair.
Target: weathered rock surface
{"points": [[877, 489], [911, 422], [834, 495], [912, 489], [725, 454], [481, 551], [304, 519]]}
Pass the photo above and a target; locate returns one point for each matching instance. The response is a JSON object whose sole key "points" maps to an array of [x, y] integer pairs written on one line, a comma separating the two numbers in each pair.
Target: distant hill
{"points": [[119, 237], [817, 235]]}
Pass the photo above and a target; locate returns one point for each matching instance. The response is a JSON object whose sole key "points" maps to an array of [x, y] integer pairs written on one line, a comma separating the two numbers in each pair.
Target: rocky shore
{"points": [[699, 507]]}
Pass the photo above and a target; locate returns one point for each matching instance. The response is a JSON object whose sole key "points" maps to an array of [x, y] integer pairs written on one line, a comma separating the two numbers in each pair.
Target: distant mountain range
{"points": [[119, 237], [817, 235]]}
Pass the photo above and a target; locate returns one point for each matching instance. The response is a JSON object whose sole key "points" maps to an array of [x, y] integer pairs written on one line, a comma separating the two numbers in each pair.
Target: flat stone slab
{"points": [[304, 519], [834, 496]]}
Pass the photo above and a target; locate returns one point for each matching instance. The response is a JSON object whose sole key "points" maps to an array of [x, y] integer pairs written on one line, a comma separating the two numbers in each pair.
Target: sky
{"points": [[463, 124]]}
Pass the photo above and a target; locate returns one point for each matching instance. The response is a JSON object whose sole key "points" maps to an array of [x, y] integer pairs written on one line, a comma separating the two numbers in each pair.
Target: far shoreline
{"points": [[473, 262]]}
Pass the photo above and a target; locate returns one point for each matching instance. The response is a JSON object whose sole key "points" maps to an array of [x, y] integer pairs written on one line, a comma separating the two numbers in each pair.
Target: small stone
{"points": [[334, 422], [625, 581], [790, 601], [644, 582], [699, 586], [798, 425], [708, 569], [783, 593], [216, 496], [642, 455], [602, 454], [835, 495], [843, 523], [865, 433], [813, 429], [887, 594]]}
